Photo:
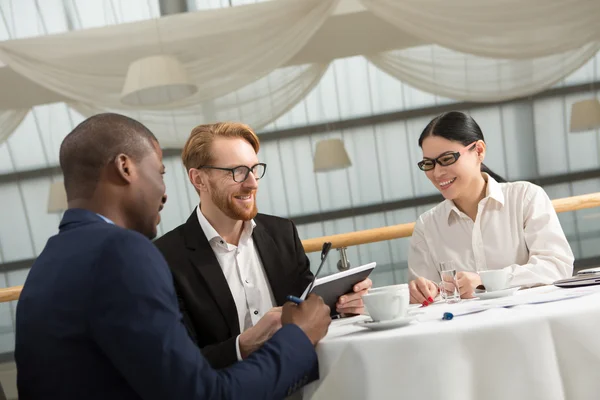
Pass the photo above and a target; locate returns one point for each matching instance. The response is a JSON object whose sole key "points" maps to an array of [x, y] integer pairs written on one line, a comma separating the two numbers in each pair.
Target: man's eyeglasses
{"points": [[444, 160], [240, 174]]}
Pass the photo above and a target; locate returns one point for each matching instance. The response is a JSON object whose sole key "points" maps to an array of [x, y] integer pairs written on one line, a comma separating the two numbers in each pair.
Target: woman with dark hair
{"points": [[485, 223]]}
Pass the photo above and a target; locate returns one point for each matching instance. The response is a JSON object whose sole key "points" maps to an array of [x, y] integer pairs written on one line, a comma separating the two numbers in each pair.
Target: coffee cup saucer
{"points": [[497, 293], [389, 324]]}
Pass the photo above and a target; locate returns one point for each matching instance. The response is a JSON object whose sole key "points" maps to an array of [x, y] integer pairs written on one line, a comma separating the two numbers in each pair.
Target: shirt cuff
{"points": [[237, 348]]}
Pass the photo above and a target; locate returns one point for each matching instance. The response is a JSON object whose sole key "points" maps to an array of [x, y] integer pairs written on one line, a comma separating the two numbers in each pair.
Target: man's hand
{"points": [[253, 338], [312, 316], [422, 291], [352, 303], [467, 282]]}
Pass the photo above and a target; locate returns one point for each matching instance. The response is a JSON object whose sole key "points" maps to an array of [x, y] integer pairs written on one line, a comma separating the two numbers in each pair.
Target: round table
{"points": [[533, 351]]}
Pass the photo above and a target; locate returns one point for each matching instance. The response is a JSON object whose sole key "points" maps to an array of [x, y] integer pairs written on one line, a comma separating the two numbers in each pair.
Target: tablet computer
{"points": [[579, 280], [331, 287], [595, 270]]}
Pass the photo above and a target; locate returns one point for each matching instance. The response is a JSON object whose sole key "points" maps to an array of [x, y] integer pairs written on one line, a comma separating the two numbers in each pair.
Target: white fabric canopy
{"points": [[480, 51], [232, 55], [222, 50], [461, 76], [499, 28], [9, 121], [257, 105]]}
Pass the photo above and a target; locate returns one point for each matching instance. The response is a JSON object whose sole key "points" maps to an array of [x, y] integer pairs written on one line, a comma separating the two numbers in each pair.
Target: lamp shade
{"points": [[585, 115], [57, 199], [330, 155], [156, 80]]}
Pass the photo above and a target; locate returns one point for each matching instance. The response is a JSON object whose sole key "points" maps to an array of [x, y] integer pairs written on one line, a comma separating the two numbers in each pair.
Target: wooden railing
{"points": [[378, 234], [10, 293], [405, 230]]}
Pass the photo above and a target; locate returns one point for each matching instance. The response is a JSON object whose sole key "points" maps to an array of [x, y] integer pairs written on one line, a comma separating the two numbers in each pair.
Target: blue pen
{"points": [[294, 299], [448, 316]]}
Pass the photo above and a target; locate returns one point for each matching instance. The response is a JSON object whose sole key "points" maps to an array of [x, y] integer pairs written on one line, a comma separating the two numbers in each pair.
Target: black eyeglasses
{"points": [[240, 174], [444, 160]]}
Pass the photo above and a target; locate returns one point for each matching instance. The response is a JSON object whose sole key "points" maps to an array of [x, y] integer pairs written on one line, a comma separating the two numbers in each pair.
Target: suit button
{"points": [[255, 312]]}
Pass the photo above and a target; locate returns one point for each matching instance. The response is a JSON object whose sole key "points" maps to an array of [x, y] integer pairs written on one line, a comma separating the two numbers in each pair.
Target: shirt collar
{"points": [[493, 190], [105, 219], [212, 234]]}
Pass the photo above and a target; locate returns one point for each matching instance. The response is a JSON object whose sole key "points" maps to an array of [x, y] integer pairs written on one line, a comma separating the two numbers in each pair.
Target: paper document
{"points": [[537, 298], [436, 312]]}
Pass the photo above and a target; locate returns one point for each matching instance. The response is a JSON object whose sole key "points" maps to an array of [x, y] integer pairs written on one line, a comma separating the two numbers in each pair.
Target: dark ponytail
{"points": [[458, 127], [491, 173]]}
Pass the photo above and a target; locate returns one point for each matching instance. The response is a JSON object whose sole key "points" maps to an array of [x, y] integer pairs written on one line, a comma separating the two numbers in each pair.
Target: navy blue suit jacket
{"points": [[98, 318]]}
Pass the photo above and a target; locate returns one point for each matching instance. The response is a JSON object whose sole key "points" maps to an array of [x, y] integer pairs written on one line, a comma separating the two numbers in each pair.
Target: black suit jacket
{"points": [[205, 300], [98, 319]]}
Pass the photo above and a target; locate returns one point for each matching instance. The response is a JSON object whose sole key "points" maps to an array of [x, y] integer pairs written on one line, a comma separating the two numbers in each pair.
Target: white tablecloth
{"points": [[543, 351]]}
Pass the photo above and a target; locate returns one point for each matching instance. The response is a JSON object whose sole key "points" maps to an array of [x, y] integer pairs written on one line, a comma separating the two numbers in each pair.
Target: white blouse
{"points": [[516, 228]]}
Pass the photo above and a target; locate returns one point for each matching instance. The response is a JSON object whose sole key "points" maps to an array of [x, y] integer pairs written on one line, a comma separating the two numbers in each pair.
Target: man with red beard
{"points": [[233, 267]]}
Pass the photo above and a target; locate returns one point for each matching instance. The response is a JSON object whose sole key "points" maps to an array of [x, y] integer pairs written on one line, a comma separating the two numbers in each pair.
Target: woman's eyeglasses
{"points": [[449, 158]]}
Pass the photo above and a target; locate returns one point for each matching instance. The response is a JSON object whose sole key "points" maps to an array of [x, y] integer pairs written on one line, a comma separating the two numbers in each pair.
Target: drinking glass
{"points": [[448, 286]]}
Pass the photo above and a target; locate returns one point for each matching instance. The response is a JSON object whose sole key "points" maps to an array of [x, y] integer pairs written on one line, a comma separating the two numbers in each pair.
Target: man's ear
{"points": [[199, 179], [125, 167]]}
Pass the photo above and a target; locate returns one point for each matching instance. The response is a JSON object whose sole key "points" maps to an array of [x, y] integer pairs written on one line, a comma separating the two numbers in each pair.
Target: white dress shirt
{"points": [[516, 228], [244, 273]]}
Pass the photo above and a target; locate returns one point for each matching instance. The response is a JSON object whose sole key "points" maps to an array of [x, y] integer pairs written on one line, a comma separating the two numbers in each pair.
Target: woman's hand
{"points": [[467, 282], [422, 291]]}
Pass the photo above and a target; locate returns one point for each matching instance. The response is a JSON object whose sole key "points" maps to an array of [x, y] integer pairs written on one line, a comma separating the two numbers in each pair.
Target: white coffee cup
{"points": [[494, 280], [401, 286], [387, 304]]}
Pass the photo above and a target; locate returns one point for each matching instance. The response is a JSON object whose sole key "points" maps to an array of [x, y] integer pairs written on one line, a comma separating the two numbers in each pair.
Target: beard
{"points": [[227, 204]]}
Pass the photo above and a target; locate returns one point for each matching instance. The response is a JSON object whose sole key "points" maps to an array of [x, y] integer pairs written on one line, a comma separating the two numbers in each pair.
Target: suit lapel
{"points": [[271, 261], [206, 263]]}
